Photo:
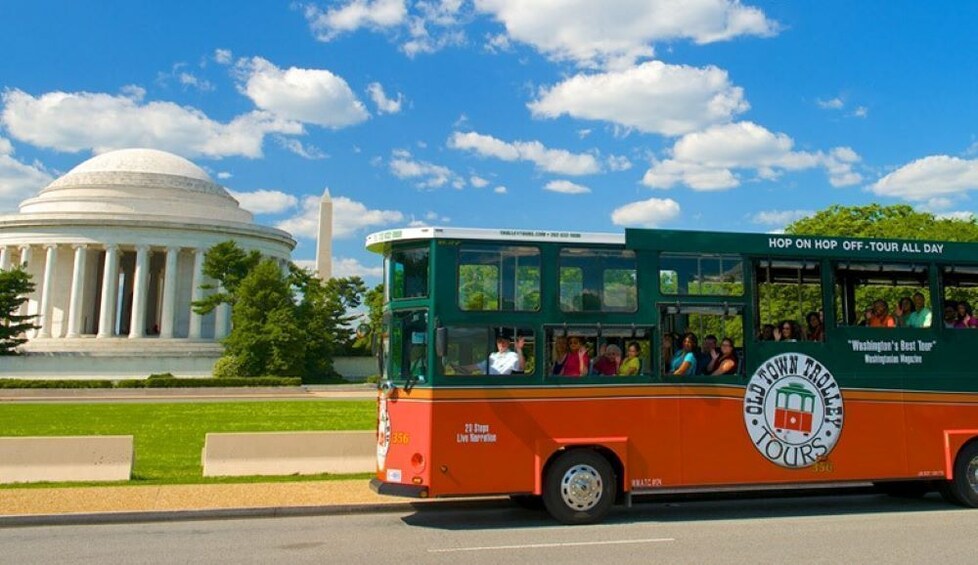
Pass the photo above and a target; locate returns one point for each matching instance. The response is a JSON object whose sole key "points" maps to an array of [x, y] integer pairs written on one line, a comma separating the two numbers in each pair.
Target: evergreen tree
{"points": [[229, 265], [266, 337], [15, 285]]}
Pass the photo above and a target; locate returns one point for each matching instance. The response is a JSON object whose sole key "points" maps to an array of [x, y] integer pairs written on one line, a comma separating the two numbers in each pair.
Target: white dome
{"points": [[141, 161], [144, 182]]}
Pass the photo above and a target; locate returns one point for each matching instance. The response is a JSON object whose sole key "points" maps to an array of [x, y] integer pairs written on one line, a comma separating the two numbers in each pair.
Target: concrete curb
{"points": [[106, 518]]}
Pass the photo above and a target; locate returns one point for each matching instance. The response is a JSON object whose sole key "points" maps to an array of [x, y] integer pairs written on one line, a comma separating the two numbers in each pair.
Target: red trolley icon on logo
{"points": [[794, 407]]}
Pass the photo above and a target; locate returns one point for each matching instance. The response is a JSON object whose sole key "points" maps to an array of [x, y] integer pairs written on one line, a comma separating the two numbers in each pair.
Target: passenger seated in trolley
{"points": [[880, 316], [921, 316], [577, 363], [724, 361], [609, 361], [684, 361], [787, 331], [632, 365], [950, 313], [501, 362], [964, 318]]}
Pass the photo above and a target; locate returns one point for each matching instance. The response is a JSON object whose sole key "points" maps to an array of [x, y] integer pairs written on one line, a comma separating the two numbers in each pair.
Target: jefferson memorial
{"points": [[115, 248]]}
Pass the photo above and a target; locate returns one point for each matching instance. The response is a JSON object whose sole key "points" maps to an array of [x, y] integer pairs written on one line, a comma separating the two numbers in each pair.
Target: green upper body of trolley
{"points": [[424, 307]]}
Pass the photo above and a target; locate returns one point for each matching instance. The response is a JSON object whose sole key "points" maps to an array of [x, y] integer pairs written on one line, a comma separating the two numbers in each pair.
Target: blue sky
{"points": [[557, 114]]}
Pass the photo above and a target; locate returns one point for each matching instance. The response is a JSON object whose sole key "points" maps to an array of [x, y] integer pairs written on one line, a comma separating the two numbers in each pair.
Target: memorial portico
{"points": [[116, 247]]}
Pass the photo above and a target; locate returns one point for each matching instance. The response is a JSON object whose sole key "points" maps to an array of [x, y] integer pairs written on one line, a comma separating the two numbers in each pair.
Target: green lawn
{"points": [[169, 437]]}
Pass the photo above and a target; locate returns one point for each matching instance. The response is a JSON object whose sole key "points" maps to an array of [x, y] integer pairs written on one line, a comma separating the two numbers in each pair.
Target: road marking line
{"points": [[550, 545]]}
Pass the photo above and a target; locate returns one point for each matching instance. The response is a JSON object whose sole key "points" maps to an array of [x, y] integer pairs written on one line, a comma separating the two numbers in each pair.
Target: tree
{"points": [[229, 265], [15, 285], [324, 314], [283, 324], [898, 221], [267, 337]]}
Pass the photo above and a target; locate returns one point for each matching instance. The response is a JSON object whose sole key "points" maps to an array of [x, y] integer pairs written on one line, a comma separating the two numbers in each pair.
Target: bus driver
{"points": [[501, 362]]}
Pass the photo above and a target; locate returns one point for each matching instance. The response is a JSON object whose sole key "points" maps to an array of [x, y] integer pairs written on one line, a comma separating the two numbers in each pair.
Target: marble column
{"points": [[4, 258], [169, 293], [77, 291], [25, 259], [222, 319], [197, 293], [140, 293], [47, 288], [110, 292]]}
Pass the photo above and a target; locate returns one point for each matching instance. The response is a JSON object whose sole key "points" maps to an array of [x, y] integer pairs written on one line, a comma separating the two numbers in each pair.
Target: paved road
{"points": [[838, 529]]}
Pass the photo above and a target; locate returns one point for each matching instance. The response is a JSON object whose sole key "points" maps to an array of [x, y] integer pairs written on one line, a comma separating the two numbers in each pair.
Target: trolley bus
{"points": [[544, 365]]}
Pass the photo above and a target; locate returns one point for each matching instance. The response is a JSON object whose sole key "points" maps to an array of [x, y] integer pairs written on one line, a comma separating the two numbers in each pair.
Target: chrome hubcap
{"points": [[581, 487]]}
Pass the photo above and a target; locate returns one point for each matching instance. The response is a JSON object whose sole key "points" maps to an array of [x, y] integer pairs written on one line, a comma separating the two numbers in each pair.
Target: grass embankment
{"points": [[169, 437]]}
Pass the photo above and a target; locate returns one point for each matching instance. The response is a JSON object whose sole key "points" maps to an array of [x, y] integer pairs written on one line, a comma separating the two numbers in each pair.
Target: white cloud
{"points": [[707, 160], [310, 152], [832, 104], [500, 190], [353, 15], [860, 112], [425, 28], [930, 177], [313, 96], [265, 201], [478, 182], [18, 180], [430, 218], [349, 217], [185, 78], [497, 43], [223, 56], [617, 33], [653, 97], [650, 213], [76, 121], [224, 175], [566, 187], [428, 175], [779, 218], [551, 160], [619, 163], [961, 215], [384, 104], [347, 267]]}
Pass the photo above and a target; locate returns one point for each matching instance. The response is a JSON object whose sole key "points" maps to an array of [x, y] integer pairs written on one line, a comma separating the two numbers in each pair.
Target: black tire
{"points": [[963, 488], [905, 489], [579, 487], [528, 501]]}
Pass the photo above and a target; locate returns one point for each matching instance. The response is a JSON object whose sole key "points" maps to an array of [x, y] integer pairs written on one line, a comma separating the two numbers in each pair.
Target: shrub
{"points": [[228, 367], [222, 382], [61, 383]]}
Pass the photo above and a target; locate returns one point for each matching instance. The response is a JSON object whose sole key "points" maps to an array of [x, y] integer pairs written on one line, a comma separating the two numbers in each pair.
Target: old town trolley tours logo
{"points": [[793, 410]]}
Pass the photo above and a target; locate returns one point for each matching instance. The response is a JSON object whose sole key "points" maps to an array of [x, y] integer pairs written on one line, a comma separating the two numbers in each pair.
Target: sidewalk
{"points": [[24, 506]]}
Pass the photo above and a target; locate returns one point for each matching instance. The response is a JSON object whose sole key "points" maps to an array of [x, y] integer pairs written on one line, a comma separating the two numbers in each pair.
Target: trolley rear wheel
{"points": [[963, 488]]}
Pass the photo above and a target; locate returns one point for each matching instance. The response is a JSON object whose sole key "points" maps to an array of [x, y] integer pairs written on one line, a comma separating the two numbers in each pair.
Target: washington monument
{"points": [[324, 244]]}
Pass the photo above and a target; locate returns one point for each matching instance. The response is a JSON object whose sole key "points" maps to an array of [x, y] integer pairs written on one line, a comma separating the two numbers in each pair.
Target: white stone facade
{"points": [[115, 248]]}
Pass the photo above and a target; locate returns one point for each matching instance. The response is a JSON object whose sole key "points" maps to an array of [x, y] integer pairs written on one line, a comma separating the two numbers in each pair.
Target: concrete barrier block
{"points": [[74, 458], [289, 453]]}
